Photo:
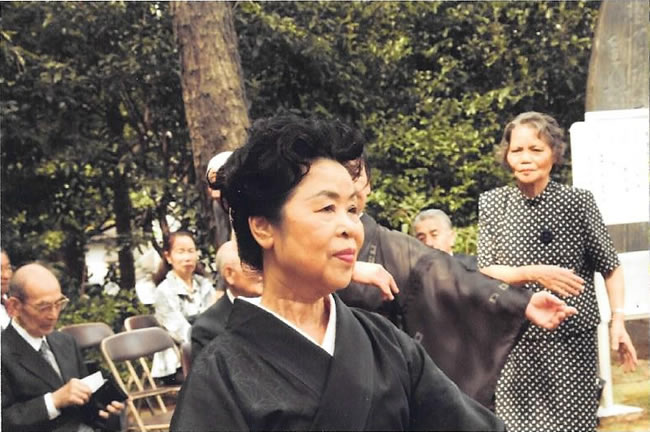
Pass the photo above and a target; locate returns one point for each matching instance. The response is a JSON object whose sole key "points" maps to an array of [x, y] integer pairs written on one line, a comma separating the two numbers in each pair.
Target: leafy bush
{"points": [[97, 306]]}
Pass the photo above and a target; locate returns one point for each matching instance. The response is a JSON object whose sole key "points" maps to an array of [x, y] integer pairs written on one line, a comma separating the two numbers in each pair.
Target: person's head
{"points": [[179, 255], [532, 144], [35, 299], [433, 228], [359, 169], [214, 166], [7, 272], [241, 280], [292, 203]]}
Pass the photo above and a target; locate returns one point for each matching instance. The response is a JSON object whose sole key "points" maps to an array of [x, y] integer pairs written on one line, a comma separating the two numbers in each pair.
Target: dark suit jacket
{"points": [[466, 321], [470, 262], [26, 377], [210, 324]]}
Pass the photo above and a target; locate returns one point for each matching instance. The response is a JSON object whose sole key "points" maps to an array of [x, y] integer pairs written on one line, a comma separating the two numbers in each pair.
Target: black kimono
{"points": [[466, 321], [209, 324], [262, 374]]}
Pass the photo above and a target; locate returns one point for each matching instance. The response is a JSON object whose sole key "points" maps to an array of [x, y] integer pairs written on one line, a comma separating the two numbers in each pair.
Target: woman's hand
{"points": [[560, 280], [375, 274], [547, 311], [620, 341]]}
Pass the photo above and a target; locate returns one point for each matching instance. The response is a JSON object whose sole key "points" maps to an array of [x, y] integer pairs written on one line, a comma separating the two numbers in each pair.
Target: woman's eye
{"points": [[329, 208], [353, 210]]}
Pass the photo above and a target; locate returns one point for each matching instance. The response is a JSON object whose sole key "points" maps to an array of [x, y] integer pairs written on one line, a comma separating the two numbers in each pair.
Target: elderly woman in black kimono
{"points": [[300, 359]]}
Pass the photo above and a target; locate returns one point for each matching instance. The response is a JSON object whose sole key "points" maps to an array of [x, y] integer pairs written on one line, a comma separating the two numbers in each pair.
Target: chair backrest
{"points": [[186, 357], [88, 335], [140, 321], [131, 345], [126, 347]]}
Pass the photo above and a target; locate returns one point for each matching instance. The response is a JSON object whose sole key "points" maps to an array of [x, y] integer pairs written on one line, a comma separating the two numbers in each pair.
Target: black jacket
{"points": [[466, 321]]}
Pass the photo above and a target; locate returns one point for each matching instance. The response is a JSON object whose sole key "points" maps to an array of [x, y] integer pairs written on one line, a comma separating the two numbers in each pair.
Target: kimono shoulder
{"points": [[262, 375]]}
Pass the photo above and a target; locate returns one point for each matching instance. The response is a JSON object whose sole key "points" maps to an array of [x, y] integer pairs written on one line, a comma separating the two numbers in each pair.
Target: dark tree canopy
{"points": [[93, 126]]}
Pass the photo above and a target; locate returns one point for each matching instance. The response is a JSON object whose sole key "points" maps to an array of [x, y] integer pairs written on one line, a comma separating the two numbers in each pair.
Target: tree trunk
{"points": [[213, 91], [123, 214]]}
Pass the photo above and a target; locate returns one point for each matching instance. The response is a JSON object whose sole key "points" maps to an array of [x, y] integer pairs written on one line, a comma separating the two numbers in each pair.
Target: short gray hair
{"points": [[548, 129], [433, 214]]}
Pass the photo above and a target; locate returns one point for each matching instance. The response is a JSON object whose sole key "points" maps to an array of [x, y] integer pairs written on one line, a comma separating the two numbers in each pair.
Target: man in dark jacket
{"points": [[41, 368]]}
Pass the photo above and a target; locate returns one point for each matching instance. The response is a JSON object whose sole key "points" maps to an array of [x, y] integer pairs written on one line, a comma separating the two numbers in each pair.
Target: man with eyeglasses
{"points": [[41, 368]]}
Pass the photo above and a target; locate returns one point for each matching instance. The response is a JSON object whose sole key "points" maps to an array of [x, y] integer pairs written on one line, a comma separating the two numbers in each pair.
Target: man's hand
{"points": [[377, 275], [114, 408], [620, 341], [547, 311], [75, 392]]}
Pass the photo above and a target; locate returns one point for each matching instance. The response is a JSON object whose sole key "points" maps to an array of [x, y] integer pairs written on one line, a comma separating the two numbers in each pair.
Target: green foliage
{"points": [[432, 84], [94, 127], [466, 240], [97, 306]]}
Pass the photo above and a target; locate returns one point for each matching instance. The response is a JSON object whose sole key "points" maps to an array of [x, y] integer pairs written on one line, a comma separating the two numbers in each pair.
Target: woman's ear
{"points": [[262, 231], [166, 257]]}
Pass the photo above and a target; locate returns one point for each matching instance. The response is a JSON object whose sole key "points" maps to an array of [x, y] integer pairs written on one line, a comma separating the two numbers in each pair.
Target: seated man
{"points": [[239, 282], [433, 228], [41, 389]]}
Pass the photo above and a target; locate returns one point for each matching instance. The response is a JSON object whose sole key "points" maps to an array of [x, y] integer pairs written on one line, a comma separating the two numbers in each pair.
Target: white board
{"points": [[609, 155]]}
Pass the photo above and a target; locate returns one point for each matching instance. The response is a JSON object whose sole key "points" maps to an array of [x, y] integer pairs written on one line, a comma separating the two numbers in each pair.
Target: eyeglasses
{"points": [[58, 305]]}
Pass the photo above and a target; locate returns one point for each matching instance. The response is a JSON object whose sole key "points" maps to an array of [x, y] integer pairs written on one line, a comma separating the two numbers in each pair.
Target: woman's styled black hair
{"points": [[259, 177]]}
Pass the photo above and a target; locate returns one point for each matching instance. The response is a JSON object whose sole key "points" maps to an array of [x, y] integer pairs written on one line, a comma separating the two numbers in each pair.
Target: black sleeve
{"points": [[437, 403]]}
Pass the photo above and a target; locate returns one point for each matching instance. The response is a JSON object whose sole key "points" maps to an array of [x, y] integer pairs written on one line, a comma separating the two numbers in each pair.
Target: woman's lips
{"points": [[347, 255]]}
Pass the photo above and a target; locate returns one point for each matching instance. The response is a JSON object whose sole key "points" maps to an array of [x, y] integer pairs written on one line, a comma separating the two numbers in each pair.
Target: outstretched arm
{"points": [[561, 281]]}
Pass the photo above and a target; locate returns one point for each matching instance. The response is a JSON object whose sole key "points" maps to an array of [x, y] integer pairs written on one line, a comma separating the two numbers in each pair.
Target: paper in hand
{"points": [[94, 381]]}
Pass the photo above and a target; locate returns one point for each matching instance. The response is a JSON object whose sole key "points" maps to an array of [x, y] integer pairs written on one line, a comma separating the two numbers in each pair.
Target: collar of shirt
{"points": [[31, 340], [4, 317], [230, 295], [179, 286], [329, 339]]}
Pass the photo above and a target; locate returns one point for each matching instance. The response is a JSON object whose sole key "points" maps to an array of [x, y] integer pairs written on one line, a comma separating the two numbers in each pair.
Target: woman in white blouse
{"points": [[179, 297]]}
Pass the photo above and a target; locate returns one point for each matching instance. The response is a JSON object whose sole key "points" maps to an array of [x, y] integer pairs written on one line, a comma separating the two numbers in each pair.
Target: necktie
{"points": [[48, 355]]}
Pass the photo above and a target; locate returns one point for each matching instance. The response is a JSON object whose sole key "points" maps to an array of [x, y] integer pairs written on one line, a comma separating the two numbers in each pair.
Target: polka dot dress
{"points": [[549, 380]]}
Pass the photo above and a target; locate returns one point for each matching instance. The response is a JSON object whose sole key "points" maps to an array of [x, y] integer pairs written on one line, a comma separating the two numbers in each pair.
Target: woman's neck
{"points": [[311, 315], [187, 278], [531, 190]]}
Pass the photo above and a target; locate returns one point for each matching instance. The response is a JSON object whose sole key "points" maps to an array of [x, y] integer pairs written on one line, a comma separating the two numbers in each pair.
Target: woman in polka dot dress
{"points": [[543, 235]]}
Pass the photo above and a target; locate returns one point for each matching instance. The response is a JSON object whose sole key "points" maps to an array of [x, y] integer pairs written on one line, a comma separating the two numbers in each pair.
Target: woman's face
{"points": [[529, 156], [182, 256], [315, 245]]}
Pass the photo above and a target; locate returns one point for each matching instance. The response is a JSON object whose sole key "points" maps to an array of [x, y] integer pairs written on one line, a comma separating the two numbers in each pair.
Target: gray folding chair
{"points": [[123, 349]]}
